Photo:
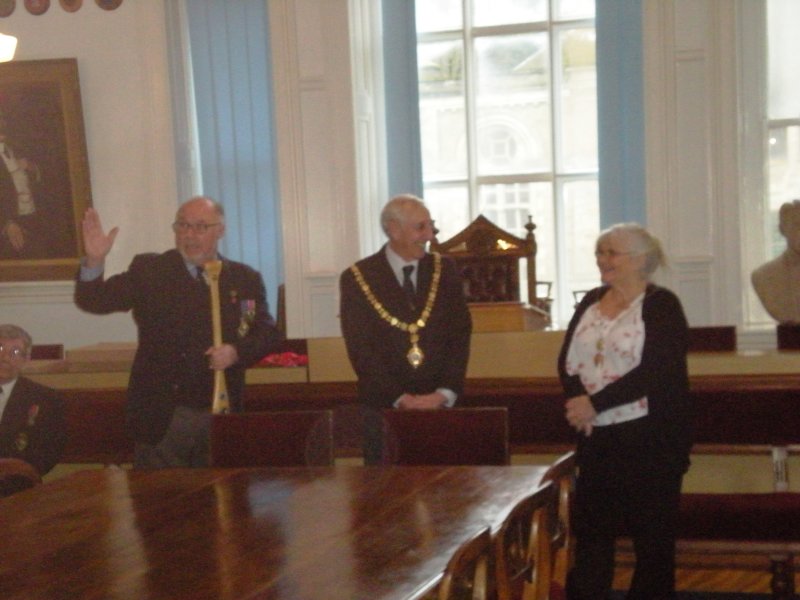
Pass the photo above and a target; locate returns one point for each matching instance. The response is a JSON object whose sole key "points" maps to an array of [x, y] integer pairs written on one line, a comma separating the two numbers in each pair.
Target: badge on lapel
{"points": [[21, 441], [33, 412], [248, 315]]}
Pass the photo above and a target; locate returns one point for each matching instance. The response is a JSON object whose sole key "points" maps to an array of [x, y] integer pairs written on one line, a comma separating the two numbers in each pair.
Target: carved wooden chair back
{"points": [[466, 576], [488, 259], [523, 548]]}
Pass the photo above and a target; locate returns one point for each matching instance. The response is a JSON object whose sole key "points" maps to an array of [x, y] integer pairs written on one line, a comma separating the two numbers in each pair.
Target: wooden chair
{"points": [[578, 295], [47, 352], [487, 258], [17, 475], [272, 439], [523, 547], [449, 436], [718, 338], [788, 336], [467, 573], [562, 474]]}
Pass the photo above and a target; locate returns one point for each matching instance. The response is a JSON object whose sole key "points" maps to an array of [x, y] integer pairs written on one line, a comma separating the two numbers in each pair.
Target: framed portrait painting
{"points": [[44, 170]]}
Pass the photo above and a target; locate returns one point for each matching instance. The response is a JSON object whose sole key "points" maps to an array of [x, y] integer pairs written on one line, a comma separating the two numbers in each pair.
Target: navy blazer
{"points": [[378, 351], [172, 311], [33, 426]]}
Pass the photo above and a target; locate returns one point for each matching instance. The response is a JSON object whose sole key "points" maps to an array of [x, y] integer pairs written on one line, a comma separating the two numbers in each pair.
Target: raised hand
{"points": [[16, 235], [96, 242]]}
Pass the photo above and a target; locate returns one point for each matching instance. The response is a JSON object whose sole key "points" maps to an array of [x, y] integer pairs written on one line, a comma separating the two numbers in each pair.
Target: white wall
{"points": [[316, 157], [122, 67], [693, 149]]}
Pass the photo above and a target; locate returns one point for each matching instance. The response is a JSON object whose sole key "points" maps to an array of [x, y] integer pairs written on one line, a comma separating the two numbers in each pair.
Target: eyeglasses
{"points": [[13, 352], [184, 227], [609, 253]]}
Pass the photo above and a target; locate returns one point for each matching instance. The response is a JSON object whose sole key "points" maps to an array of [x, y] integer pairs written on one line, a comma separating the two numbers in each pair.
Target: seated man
{"points": [[32, 424]]}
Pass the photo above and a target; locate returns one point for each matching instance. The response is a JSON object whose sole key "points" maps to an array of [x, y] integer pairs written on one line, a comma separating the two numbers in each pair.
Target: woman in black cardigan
{"points": [[623, 369]]}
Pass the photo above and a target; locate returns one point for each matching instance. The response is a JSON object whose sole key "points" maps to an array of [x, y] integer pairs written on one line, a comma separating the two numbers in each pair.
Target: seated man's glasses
{"points": [[184, 227], [12, 351]]}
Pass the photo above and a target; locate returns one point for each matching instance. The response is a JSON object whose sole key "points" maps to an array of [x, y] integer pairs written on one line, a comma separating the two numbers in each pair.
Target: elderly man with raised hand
{"points": [[405, 322], [172, 379], [32, 426]]}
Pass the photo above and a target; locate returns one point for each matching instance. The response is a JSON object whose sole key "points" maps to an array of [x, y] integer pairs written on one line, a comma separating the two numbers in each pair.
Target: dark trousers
{"points": [[638, 502], [185, 444], [372, 432]]}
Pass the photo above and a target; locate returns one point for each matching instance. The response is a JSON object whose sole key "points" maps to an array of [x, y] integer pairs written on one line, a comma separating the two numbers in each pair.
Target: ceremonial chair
{"points": [[272, 439], [524, 546], [562, 474], [17, 475], [487, 258], [467, 573], [448, 436], [718, 338]]}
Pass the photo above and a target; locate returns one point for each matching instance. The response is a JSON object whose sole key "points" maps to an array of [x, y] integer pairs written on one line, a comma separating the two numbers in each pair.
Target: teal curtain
{"points": [[232, 86]]}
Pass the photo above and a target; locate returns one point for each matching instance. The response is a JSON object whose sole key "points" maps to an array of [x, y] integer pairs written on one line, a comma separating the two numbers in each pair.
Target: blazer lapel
{"points": [[424, 277], [15, 413]]}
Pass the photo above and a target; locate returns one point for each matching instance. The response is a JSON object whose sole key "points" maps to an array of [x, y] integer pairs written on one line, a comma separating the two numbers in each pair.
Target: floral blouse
{"points": [[603, 350]]}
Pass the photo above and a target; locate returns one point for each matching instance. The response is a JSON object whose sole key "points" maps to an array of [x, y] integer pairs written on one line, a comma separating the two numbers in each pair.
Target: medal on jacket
{"points": [[21, 441], [248, 315], [415, 355]]}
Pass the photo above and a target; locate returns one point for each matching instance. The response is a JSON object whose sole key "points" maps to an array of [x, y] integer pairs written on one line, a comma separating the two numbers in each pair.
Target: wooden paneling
{"points": [[743, 410]]}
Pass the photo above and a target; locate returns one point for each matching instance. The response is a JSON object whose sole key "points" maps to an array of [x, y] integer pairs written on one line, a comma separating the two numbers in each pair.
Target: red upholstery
{"points": [[768, 517], [453, 436], [272, 439]]}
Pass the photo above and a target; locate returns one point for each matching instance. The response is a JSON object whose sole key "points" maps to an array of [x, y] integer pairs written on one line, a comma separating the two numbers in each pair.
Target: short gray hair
{"points": [[13, 332], [397, 209], [643, 243]]}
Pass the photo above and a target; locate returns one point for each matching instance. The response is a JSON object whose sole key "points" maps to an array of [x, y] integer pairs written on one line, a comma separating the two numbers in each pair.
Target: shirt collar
{"points": [[7, 389], [397, 262]]}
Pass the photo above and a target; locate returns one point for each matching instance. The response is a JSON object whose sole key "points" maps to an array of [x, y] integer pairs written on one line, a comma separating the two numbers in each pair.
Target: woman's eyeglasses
{"points": [[609, 253]]}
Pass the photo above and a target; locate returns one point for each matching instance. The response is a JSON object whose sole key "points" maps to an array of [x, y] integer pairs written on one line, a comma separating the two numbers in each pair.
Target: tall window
{"points": [[783, 113], [770, 136], [508, 120]]}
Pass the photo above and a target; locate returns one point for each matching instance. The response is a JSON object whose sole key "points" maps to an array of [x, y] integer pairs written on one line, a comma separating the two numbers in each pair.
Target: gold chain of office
{"points": [[415, 355]]}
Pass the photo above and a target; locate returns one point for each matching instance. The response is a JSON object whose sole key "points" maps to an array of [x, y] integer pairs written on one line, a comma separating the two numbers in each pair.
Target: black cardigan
{"points": [[665, 434]]}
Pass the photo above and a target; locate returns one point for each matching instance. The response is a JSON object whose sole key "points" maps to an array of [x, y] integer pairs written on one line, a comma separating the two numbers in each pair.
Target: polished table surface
{"points": [[343, 532]]}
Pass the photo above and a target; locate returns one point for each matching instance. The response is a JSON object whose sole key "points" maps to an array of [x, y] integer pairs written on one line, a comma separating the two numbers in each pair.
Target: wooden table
{"points": [[345, 533]]}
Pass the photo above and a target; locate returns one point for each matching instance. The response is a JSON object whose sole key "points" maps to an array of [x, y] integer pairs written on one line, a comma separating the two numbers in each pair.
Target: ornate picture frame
{"points": [[44, 170]]}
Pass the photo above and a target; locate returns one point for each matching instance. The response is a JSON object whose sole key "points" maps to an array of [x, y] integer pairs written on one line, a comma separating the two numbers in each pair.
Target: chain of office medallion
{"points": [[389, 318]]}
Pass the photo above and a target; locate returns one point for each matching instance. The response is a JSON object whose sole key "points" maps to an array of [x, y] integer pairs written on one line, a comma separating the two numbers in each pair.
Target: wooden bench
{"points": [[741, 524]]}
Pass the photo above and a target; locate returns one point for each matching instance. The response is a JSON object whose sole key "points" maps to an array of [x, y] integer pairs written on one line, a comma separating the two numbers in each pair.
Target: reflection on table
{"points": [[299, 533]]}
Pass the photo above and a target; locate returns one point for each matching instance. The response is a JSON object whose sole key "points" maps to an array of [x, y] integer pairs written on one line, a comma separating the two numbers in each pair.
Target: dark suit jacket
{"points": [[378, 351], [32, 427], [172, 311]]}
